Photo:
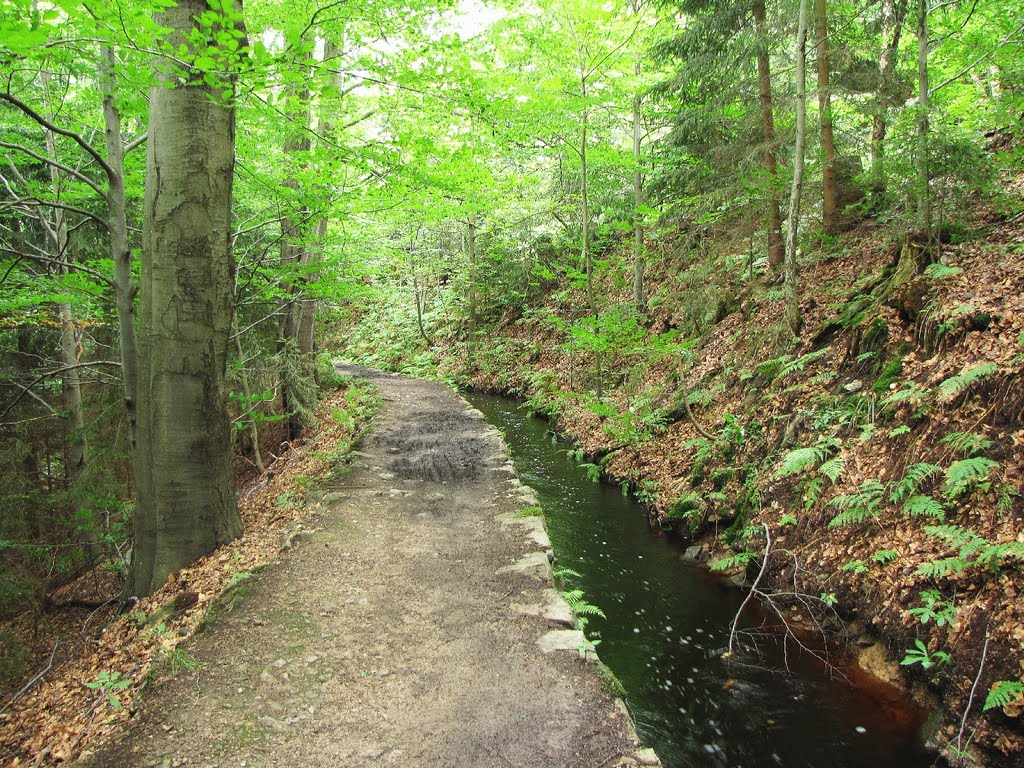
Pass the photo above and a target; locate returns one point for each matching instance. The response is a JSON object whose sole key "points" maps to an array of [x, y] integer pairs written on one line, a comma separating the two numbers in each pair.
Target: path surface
{"points": [[394, 634]]}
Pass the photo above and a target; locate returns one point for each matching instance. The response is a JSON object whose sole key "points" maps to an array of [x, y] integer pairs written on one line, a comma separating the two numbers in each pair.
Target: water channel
{"points": [[667, 624]]}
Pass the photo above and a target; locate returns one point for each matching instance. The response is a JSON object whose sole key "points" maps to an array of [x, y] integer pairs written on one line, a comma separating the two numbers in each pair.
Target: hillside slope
{"points": [[881, 452]]}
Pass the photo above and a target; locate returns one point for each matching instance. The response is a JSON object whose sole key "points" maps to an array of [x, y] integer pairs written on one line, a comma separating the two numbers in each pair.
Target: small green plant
{"points": [[1003, 692], [829, 598], [934, 608], [919, 655], [856, 507], [856, 566], [960, 383], [739, 560], [968, 475], [110, 684], [885, 556]]}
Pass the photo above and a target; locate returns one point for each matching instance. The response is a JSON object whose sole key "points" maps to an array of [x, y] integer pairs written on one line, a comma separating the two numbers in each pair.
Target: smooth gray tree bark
{"points": [[186, 501]]}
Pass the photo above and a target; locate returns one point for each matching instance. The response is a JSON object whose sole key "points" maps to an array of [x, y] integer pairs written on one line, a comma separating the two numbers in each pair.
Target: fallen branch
{"points": [[753, 589], [28, 686]]}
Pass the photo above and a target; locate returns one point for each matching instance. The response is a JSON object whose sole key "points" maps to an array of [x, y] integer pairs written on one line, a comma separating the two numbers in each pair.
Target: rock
{"points": [[535, 564], [876, 662], [562, 640], [696, 552], [272, 723], [625, 762], [854, 386], [552, 606], [647, 757]]}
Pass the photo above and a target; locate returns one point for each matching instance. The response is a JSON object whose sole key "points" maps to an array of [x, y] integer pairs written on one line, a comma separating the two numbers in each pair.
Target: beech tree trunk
{"points": [[793, 232], [764, 85], [924, 199], [117, 222], [185, 504], [638, 201], [829, 182], [893, 14]]}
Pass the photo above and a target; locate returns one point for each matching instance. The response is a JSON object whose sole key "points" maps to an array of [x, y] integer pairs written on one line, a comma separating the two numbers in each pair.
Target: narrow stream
{"points": [[667, 625]]}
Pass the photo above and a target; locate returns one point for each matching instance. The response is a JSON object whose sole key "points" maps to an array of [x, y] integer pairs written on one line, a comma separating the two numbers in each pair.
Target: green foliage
{"points": [[859, 506], [924, 505], [935, 608], [739, 560], [967, 475], [885, 556], [856, 566], [967, 443], [919, 655], [973, 550], [110, 685], [956, 385], [916, 476], [1003, 692]]}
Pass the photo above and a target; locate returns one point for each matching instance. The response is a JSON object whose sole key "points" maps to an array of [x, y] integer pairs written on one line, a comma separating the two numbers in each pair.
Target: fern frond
{"points": [[962, 476], [919, 505], [955, 385], [967, 443], [1003, 692], [735, 561], [833, 468], [954, 536], [800, 363], [916, 475], [885, 556], [798, 460], [940, 569]]}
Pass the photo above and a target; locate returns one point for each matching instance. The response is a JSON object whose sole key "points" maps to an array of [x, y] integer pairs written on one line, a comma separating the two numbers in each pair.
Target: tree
{"points": [[829, 182], [186, 500], [799, 150]]}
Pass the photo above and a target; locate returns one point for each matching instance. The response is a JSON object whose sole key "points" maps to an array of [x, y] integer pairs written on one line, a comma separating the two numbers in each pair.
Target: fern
{"points": [[799, 460], [792, 366], [967, 443], [919, 505], [1003, 692], [954, 536], [734, 561], [858, 506], [833, 468], [940, 569], [856, 566], [916, 475], [579, 605], [955, 385], [939, 271], [914, 393], [885, 556], [967, 474]]}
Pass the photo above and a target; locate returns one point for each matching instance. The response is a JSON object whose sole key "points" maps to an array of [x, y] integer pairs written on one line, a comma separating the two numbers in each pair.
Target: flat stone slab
{"points": [[562, 640], [534, 526], [551, 606], [535, 564]]}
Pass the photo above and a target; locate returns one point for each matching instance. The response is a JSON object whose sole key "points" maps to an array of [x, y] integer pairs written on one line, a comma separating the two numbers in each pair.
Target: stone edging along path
{"points": [[414, 622]]}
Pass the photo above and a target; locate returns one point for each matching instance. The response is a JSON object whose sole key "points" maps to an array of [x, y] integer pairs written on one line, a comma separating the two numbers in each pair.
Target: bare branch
{"points": [[77, 138], [59, 166]]}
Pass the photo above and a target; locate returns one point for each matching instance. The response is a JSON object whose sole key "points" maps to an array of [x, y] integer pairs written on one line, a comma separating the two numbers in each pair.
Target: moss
{"points": [[891, 371], [610, 681], [721, 476]]}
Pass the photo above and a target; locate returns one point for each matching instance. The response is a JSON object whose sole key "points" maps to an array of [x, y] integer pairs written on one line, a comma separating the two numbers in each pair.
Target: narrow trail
{"points": [[401, 629]]}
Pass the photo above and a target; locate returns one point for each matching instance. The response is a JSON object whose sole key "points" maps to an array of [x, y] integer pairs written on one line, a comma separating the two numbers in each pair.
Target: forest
{"points": [[763, 262]]}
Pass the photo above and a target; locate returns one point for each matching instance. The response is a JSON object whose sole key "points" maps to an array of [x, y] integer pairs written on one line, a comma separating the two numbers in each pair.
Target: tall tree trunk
{"points": [[295, 253], [588, 256], [764, 87], [77, 445], [117, 222], [638, 201], [924, 199], [471, 294], [893, 12], [829, 182], [793, 233], [185, 504]]}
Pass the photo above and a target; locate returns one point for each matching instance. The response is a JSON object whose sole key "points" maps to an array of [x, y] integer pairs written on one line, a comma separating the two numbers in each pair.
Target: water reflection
{"points": [[666, 628]]}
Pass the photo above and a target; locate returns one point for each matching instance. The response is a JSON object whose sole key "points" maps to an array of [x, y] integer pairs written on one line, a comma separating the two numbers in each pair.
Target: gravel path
{"points": [[411, 625]]}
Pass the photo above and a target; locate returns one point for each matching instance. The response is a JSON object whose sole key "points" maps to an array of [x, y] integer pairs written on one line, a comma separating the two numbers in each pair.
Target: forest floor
{"points": [[389, 633]]}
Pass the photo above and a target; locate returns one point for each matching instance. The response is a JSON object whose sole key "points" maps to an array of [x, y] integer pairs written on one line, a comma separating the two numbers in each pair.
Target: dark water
{"points": [[667, 625]]}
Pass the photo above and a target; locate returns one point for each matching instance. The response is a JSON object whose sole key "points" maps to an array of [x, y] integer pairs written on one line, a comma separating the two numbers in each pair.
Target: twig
{"points": [[25, 688], [970, 699], [753, 589]]}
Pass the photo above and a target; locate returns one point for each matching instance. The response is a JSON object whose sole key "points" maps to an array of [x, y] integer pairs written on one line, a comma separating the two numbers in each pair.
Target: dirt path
{"points": [[395, 633]]}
